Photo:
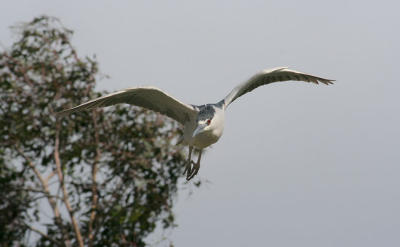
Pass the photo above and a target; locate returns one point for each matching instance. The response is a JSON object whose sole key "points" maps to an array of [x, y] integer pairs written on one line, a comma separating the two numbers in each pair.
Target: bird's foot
{"points": [[194, 171], [188, 168]]}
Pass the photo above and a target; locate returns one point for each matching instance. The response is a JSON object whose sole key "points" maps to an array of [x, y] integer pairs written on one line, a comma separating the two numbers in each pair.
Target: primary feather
{"points": [[270, 76]]}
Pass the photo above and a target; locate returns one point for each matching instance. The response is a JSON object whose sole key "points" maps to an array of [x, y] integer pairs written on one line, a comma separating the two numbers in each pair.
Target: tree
{"points": [[98, 178]]}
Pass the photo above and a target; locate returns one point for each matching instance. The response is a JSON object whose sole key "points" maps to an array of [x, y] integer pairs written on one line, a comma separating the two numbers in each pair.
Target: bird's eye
{"points": [[208, 121]]}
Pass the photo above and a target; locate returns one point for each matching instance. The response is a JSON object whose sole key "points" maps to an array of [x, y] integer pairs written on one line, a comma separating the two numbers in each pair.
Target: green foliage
{"points": [[14, 202], [114, 171]]}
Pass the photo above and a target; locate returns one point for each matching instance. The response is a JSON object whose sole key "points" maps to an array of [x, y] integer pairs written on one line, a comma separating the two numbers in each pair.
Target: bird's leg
{"points": [[196, 168], [188, 167]]}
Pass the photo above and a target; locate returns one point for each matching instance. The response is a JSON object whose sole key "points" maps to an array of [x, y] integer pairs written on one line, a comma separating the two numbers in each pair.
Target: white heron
{"points": [[203, 124]]}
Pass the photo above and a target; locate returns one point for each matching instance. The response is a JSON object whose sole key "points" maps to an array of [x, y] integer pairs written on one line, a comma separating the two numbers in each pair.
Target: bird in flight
{"points": [[203, 124]]}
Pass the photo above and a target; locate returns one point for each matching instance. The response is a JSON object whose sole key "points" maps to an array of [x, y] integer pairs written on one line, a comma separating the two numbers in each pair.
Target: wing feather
{"points": [[148, 97], [270, 76]]}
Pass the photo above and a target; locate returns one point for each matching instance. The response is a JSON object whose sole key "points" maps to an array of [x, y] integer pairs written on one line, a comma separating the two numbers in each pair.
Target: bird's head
{"points": [[206, 120], [203, 125]]}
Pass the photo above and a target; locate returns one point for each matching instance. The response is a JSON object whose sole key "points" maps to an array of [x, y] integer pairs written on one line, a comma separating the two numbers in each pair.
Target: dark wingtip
{"points": [[326, 81], [330, 82]]}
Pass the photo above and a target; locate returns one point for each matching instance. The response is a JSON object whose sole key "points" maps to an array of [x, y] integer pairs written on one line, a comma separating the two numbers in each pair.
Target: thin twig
{"points": [[22, 69], [40, 191], [52, 173]]}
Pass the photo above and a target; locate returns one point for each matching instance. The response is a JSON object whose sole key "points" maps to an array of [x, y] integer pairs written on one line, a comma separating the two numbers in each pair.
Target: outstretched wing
{"points": [[148, 97], [270, 76]]}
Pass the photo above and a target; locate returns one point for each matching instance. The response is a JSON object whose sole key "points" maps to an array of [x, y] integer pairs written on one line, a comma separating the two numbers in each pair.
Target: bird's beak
{"points": [[199, 129]]}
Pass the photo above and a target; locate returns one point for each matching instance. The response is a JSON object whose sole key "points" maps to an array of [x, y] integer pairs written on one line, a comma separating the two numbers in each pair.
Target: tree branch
{"points": [[43, 234], [50, 198], [94, 183], [114, 200], [63, 187], [34, 169]]}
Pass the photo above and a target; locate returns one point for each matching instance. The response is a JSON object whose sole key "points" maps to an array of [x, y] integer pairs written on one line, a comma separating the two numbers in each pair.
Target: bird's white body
{"points": [[203, 125]]}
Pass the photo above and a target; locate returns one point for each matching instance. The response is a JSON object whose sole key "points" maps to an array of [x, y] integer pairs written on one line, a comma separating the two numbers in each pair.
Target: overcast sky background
{"points": [[298, 164]]}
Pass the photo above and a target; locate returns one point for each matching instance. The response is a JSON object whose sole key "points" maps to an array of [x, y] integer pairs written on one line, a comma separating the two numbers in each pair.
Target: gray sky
{"points": [[298, 164]]}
